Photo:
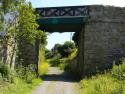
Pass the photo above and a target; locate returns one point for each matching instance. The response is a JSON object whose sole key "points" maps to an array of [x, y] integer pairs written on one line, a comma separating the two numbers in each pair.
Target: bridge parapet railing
{"points": [[72, 11]]}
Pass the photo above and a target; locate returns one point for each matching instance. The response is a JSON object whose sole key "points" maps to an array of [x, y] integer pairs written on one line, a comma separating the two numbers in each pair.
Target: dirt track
{"points": [[57, 82]]}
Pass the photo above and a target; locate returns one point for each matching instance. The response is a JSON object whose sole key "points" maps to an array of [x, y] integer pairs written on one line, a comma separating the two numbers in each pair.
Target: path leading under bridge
{"points": [[58, 82]]}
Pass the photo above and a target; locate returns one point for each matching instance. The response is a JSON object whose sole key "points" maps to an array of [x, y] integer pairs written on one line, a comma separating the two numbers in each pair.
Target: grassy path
{"points": [[57, 82]]}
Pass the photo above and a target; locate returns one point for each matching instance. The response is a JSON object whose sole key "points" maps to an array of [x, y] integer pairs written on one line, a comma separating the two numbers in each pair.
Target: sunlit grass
{"points": [[108, 83], [20, 87], [102, 84]]}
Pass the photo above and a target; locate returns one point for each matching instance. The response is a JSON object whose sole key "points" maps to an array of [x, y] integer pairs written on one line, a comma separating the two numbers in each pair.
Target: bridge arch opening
{"points": [[65, 19], [61, 48]]}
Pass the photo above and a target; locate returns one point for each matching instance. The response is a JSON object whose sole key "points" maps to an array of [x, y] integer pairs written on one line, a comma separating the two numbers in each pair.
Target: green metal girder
{"points": [[65, 20]]}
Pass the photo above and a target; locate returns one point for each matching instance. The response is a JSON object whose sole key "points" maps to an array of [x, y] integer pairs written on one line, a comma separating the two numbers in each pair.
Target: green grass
{"points": [[20, 87], [102, 84], [109, 83]]}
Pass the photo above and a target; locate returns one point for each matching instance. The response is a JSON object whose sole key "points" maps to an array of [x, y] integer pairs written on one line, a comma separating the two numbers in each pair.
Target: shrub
{"points": [[119, 71], [73, 54], [26, 73], [7, 73], [43, 68], [64, 64], [54, 62]]}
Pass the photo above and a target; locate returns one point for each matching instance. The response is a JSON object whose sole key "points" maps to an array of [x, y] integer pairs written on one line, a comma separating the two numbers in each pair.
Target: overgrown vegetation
{"points": [[61, 55], [19, 81], [19, 56], [26, 73], [65, 62], [43, 64], [60, 50], [44, 68], [6, 73], [19, 87], [112, 82]]}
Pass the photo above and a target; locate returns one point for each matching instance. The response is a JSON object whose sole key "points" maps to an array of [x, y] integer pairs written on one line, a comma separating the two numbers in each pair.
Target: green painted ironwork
{"points": [[72, 20], [63, 19]]}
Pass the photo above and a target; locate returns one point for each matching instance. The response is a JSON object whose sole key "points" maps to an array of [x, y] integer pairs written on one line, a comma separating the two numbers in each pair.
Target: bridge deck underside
{"points": [[62, 24]]}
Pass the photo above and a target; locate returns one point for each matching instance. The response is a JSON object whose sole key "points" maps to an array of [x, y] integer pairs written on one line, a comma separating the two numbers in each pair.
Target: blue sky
{"points": [[50, 3], [62, 37], [54, 38]]}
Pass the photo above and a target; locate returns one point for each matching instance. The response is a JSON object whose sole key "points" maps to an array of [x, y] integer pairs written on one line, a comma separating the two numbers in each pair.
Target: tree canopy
{"points": [[61, 50]]}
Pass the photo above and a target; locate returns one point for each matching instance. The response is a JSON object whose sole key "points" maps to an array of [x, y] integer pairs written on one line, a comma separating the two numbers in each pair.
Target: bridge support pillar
{"points": [[102, 40]]}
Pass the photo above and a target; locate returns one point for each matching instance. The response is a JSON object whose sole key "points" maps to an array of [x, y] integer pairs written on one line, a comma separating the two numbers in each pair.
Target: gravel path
{"points": [[57, 82]]}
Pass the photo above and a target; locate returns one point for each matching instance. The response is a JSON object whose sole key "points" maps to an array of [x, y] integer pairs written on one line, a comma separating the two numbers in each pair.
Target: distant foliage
{"points": [[54, 62], [64, 63], [48, 54], [73, 54], [60, 50]]}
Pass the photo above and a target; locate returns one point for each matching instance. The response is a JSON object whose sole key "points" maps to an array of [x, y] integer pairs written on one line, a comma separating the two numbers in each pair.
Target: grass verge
{"points": [[20, 87], [112, 82], [102, 84]]}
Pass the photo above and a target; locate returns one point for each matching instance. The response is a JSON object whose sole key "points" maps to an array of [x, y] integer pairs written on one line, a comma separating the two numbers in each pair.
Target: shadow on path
{"points": [[63, 77]]}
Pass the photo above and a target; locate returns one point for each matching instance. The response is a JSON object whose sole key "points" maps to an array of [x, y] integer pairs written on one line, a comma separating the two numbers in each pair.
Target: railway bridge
{"points": [[99, 33]]}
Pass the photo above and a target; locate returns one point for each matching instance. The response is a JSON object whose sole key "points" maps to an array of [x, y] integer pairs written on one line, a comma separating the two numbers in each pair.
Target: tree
{"points": [[30, 40], [67, 48], [9, 7], [61, 50], [20, 29], [48, 54], [27, 34]]}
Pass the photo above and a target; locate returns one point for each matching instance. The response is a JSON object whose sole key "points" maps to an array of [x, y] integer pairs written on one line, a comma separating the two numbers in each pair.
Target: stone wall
{"points": [[102, 39], [26, 53]]}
